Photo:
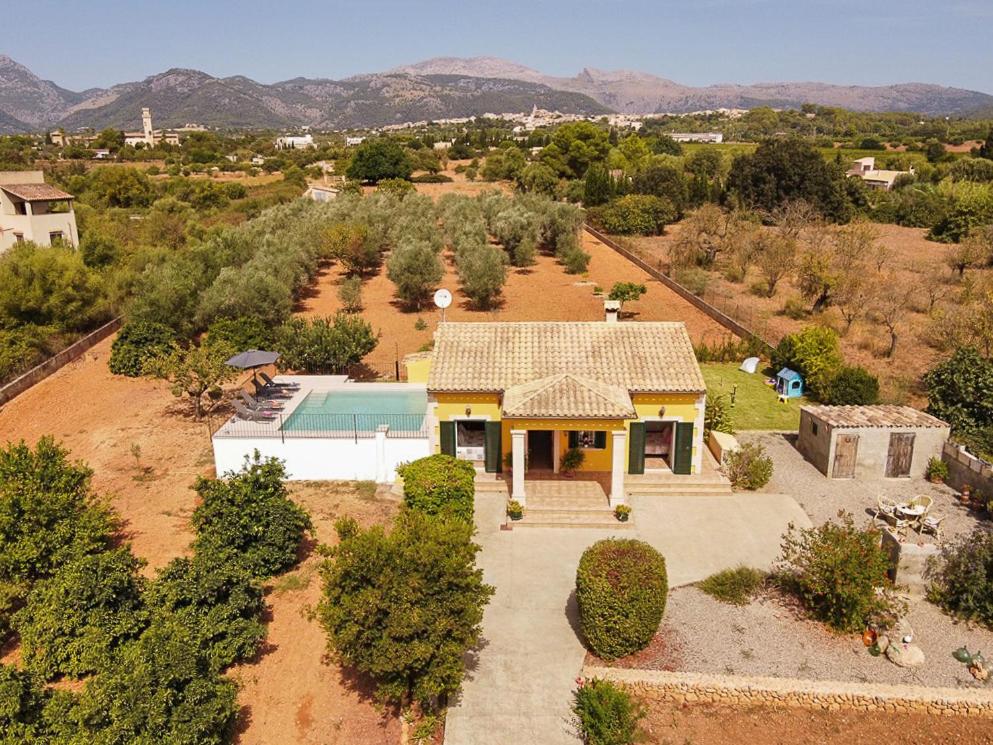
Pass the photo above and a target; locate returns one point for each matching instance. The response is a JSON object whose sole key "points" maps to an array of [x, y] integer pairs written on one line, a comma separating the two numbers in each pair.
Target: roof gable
{"points": [[566, 396]]}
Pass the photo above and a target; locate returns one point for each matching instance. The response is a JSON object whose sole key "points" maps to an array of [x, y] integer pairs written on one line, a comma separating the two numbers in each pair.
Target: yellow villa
{"points": [[630, 396]]}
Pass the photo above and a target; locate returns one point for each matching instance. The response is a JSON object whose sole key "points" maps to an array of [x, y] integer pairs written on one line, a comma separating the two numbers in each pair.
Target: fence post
{"points": [[355, 428], [282, 432]]}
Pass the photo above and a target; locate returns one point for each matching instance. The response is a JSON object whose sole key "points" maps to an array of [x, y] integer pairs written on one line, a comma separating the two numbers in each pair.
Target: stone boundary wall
{"points": [[965, 468], [75, 350], [829, 695], [722, 318]]}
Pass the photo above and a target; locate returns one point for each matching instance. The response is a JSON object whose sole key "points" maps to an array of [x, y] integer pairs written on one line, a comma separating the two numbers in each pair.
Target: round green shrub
{"points": [[621, 588], [962, 582], [136, 344], [439, 483], [606, 714], [852, 386]]}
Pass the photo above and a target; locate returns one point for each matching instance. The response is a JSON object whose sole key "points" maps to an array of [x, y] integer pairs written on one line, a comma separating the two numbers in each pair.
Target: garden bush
{"points": [[606, 714], [249, 518], [621, 588], [852, 385], [241, 334], [439, 483], [324, 345], [136, 344], [734, 586], [218, 602], [404, 607], [748, 467], [834, 569], [962, 577], [640, 214], [73, 622]]}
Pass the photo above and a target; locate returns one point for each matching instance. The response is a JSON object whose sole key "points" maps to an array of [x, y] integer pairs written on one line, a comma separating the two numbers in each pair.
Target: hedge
{"points": [[136, 344], [621, 588], [439, 483]]}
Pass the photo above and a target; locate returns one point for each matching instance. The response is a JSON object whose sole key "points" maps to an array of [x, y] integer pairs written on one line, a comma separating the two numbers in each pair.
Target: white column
{"points": [[517, 449], [382, 471], [556, 450], [619, 456], [698, 443]]}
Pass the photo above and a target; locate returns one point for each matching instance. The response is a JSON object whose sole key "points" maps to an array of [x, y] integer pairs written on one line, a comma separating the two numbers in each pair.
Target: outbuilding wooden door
{"points": [[682, 461], [846, 450], [900, 455]]}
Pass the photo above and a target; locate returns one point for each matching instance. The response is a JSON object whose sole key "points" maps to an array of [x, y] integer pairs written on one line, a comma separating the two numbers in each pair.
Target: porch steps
{"points": [[558, 504], [663, 486]]}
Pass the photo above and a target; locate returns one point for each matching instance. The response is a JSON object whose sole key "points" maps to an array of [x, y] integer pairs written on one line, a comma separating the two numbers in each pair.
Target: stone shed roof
{"points": [[881, 416], [35, 192], [636, 357], [569, 397]]}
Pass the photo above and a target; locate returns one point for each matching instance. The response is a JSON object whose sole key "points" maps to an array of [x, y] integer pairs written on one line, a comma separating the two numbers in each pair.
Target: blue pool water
{"points": [[361, 410]]}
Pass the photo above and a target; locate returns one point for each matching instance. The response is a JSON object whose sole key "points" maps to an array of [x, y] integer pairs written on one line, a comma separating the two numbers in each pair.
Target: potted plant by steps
{"points": [[515, 510], [622, 512], [966, 496], [937, 471], [571, 461]]}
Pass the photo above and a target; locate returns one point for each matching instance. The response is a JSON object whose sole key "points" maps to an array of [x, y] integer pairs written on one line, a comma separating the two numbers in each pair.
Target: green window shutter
{"points": [[600, 440], [573, 440], [636, 450], [493, 456], [448, 438], [683, 458]]}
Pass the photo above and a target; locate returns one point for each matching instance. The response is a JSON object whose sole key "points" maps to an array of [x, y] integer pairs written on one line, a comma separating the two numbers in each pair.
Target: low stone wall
{"points": [[964, 468], [38, 373], [812, 694]]}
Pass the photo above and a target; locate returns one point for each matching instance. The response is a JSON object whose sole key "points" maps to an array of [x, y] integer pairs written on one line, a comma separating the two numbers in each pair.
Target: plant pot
{"points": [[868, 637], [623, 517], [936, 480], [516, 516]]}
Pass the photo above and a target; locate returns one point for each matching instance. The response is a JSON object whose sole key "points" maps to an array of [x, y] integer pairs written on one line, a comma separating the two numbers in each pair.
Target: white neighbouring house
{"points": [[875, 178], [321, 193], [295, 142], [353, 141], [31, 210], [711, 137]]}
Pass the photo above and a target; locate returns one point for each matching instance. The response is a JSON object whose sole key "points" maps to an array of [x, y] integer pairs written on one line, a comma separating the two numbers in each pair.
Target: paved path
{"points": [[519, 688]]}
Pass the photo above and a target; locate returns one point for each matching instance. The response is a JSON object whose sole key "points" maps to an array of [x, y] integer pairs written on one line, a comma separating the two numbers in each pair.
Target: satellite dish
{"points": [[443, 298]]}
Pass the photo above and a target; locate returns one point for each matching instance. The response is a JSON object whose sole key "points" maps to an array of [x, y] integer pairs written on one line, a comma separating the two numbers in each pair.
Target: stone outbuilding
{"points": [[870, 442]]}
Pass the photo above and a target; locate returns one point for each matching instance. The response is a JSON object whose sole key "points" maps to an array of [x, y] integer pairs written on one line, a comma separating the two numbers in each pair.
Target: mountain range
{"points": [[443, 87]]}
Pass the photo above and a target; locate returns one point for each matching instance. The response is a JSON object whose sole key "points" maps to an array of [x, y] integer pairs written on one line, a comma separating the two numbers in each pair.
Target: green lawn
{"points": [[755, 403]]}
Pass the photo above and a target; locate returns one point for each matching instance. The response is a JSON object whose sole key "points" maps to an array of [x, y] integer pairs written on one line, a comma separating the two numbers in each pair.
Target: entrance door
{"points": [[470, 439], [900, 455], [683, 450], [540, 449], [658, 445], [846, 449]]}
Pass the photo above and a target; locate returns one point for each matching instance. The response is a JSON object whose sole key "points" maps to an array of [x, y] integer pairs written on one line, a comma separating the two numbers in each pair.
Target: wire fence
{"points": [[304, 425]]}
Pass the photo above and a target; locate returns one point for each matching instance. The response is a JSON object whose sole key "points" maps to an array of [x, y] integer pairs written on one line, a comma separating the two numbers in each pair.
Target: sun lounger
{"points": [[267, 391], [270, 383], [252, 416], [256, 405]]}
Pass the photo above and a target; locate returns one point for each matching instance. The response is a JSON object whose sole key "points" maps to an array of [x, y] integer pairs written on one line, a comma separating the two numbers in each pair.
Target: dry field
{"points": [[291, 693], [543, 292], [913, 259]]}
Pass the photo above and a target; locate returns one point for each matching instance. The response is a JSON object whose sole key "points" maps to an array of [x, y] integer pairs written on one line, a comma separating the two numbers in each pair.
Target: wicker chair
{"points": [[886, 510], [932, 524]]}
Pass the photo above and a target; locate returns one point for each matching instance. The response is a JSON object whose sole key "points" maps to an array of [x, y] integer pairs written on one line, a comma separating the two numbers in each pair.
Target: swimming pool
{"points": [[359, 410]]}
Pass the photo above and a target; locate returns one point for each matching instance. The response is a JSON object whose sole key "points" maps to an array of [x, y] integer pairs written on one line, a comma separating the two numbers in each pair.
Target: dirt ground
{"points": [[669, 723], [913, 259], [543, 292], [290, 693]]}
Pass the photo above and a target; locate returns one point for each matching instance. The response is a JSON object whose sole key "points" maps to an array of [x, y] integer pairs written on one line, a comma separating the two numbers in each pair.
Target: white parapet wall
{"points": [[320, 459], [721, 443]]}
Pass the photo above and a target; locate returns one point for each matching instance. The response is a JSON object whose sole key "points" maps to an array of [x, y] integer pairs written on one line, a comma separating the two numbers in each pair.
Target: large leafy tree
{"points": [[159, 690], [415, 269], [219, 603], [49, 517], [404, 607], [960, 391], [483, 272], [322, 345], [580, 144], [249, 518], [781, 170], [375, 160], [74, 621]]}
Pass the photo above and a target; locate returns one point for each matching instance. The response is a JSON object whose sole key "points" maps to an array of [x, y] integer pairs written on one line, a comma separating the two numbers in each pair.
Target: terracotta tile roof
{"points": [[34, 192], [883, 415], [567, 396], [633, 356]]}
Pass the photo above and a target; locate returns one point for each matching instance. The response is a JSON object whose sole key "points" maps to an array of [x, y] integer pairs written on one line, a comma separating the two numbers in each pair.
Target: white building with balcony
{"points": [[31, 210]]}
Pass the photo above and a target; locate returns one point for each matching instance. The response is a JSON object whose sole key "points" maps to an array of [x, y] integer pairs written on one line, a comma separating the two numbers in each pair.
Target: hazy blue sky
{"points": [[100, 42]]}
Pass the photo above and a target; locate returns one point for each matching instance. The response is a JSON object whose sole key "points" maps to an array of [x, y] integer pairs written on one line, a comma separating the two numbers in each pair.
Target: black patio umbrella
{"points": [[252, 359]]}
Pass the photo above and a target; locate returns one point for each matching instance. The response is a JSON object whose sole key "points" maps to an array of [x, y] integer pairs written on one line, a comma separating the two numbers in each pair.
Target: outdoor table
{"points": [[911, 511]]}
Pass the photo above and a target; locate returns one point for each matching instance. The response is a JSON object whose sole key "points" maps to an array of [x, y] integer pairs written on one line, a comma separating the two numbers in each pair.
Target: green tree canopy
{"points": [[323, 345], [248, 517], [960, 391], [405, 606], [378, 159]]}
